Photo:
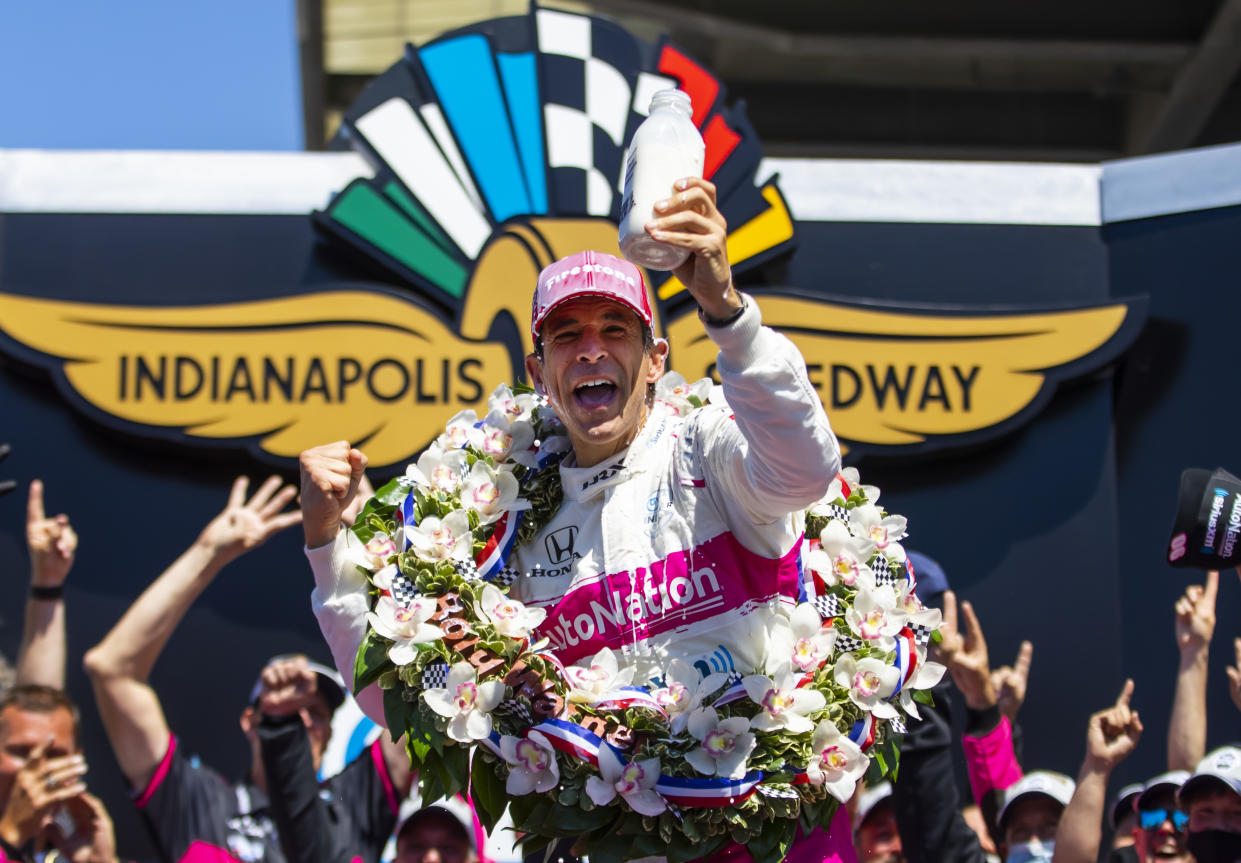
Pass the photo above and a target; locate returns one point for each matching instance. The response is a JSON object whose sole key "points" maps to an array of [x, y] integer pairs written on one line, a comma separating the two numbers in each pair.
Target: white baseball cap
{"points": [[1123, 804], [1057, 786], [871, 798], [1170, 781], [1222, 765]]}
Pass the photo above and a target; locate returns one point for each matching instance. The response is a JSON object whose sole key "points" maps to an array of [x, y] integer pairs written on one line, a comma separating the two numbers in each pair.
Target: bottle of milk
{"points": [[665, 148]]}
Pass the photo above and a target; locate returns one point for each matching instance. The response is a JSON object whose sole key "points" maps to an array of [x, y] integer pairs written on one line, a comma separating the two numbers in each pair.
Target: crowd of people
{"points": [[743, 471]]}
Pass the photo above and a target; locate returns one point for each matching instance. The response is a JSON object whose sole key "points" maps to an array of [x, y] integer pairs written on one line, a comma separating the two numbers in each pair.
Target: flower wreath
{"points": [[630, 769]]}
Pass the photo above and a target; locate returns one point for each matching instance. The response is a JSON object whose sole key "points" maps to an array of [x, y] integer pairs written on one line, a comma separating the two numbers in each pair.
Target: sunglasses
{"points": [[1151, 819]]}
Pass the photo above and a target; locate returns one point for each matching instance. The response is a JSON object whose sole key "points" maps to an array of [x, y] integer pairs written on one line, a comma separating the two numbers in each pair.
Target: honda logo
{"points": [[559, 544]]}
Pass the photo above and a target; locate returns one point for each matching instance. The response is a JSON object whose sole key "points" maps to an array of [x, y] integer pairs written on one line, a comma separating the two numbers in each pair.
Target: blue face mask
{"points": [[1034, 851]]}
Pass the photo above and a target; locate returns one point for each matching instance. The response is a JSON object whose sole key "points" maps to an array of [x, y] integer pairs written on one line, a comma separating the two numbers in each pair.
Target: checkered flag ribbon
{"points": [[781, 791], [403, 590], [435, 674], [922, 634], [828, 606], [516, 708], [847, 643], [835, 510], [734, 677], [897, 725], [467, 569], [883, 570], [504, 576]]}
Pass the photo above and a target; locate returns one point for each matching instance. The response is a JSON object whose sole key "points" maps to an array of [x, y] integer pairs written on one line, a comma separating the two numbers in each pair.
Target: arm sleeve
{"points": [[991, 761], [184, 803], [372, 802], [780, 455], [339, 602]]}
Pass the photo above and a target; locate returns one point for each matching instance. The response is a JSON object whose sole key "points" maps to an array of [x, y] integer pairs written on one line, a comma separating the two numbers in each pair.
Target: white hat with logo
{"points": [[1221, 766], [1047, 783], [871, 798]]}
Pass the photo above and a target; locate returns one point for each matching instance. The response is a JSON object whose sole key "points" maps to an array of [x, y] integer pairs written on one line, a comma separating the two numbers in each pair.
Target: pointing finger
{"points": [[1025, 654], [34, 503], [973, 628], [1126, 693], [1212, 587], [950, 612]]}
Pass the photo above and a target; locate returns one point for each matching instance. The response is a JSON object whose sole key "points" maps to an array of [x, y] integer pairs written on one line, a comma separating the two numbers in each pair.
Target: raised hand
{"points": [[1113, 734], [1009, 681], [1195, 614], [245, 525], [41, 786], [93, 839], [288, 685], [965, 654], [690, 219], [365, 492], [331, 476], [52, 542]]}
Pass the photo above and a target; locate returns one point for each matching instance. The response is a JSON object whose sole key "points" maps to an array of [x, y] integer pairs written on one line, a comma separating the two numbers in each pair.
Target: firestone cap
{"points": [[589, 274]]}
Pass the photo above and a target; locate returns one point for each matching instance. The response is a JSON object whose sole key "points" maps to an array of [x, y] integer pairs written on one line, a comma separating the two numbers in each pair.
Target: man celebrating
{"points": [[692, 521]]}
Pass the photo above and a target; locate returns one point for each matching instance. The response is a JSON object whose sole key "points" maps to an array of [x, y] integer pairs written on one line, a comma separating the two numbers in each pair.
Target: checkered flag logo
{"points": [[828, 606], [922, 634], [782, 791], [516, 708], [835, 510], [403, 590], [435, 674], [847, 643], [897, 725], [883, 570], [504, 576], [467, 569], [734, 677]]}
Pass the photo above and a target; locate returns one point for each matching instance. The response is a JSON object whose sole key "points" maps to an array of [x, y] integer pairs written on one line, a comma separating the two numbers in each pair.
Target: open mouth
{"points": [[595, 393]]}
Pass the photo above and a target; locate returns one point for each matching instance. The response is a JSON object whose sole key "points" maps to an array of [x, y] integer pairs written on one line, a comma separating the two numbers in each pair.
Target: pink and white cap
{"points": [[589, 274]]}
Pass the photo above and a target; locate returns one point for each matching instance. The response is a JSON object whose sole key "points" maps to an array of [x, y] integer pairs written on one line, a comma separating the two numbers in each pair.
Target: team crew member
{"points": [[693, 522], [190, 809]]}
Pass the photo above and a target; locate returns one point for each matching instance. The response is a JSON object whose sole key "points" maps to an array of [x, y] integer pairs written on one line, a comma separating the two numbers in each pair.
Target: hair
{"points": [[435, 813], [34, 698]]}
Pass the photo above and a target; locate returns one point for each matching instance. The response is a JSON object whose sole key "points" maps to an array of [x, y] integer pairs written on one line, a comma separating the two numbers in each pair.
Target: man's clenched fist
{"points": [[330, 477]]}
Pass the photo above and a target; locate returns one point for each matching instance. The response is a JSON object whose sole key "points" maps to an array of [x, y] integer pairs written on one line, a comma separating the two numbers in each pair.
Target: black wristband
{"points": [[37, 592], [731, 319], [981, 722]]}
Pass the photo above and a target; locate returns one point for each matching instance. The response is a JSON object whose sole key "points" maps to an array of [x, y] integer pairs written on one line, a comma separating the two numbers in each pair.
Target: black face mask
{"points": [[1214, 846]]}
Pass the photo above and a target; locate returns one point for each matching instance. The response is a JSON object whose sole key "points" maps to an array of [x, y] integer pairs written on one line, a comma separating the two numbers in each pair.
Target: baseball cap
{"points": [[1221, 765], [330, 683], [1048, 783], [1170, 781], [872, 797], [1123, 804], [1206, 533], [589, 274]]}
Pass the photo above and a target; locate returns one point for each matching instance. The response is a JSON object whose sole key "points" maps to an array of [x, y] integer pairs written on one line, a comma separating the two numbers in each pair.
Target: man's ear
{"points": [[659, 360], [534, 369]]}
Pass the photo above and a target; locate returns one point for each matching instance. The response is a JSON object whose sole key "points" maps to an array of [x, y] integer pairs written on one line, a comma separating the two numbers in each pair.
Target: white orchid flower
{"points": [[835, 491], [684, 691], [465, 702], [870, 682], [717, 398], [801, 639], [531, 763], [510, 618], [441, 470], [677, 394], [515, 407], [590, 683], [553, 446], [405, 625], [449, 538], [502, 439], [635, 782], [489, 492], [726, 743], [875, 616], [841, 557], [784, 705], [836, 763], [459, 432], [926, 674], [373, 555], [916, 613], [885, 531]]}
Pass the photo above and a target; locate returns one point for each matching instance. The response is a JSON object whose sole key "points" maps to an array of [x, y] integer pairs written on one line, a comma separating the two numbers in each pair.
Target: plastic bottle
{"points": [[665, 148]]}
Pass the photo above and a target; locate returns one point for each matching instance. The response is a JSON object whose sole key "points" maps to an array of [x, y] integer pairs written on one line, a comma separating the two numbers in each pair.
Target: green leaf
{"points": [[924, 696], [397, 712], [371, 661], [487, 791]]}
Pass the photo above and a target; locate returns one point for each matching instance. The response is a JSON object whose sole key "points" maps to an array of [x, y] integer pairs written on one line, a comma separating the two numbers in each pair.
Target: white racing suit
{"points": [[683, 546]]}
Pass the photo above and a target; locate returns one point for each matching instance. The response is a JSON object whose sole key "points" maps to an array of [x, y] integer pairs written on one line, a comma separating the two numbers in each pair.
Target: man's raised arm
{"points": [[52, 544], [120, 665]]}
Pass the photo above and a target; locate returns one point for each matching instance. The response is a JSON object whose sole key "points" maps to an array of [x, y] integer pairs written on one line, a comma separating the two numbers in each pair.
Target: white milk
{"points": [[665, 148]]}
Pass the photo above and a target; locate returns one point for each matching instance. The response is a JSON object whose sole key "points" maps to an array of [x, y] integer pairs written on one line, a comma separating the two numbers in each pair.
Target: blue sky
{"points": [[141, 74]]}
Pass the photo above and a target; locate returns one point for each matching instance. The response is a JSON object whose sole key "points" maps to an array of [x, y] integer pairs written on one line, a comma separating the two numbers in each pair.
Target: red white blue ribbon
{"points": [[906, 661], [492, 556], [863, 732], [407, 520], [628, 696], [708, 790]]}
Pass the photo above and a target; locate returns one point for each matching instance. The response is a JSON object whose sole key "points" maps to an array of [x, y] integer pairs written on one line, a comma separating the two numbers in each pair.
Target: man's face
{"points": [[1163, 842], [22, 731], [878, 840], [317, 717], [1216, 809], [1035, 817], [595, 369], [433, 842]]}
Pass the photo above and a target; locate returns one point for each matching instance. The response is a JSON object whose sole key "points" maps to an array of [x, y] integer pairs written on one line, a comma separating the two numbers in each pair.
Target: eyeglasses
{"points": [[1151, 819]]}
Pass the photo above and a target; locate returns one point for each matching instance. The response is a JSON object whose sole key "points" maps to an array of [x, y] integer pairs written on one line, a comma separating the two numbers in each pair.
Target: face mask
{"points": [[1214, 846], [1034, 851]]}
